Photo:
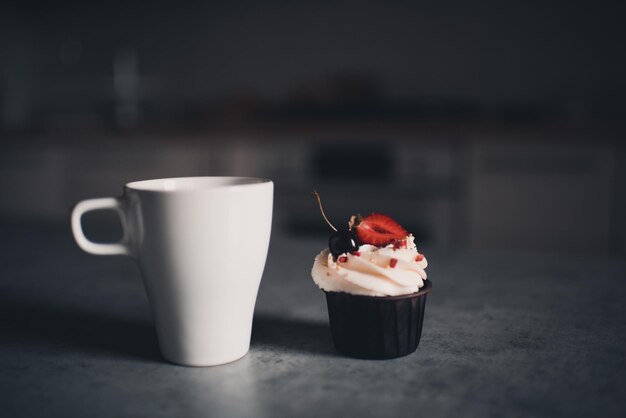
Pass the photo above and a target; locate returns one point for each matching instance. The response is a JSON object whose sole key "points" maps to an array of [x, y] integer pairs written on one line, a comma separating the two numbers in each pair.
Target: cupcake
{"points": [[375, 284]]}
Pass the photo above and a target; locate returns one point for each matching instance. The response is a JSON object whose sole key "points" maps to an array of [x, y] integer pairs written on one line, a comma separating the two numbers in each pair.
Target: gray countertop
{"points": [[504, 335]]}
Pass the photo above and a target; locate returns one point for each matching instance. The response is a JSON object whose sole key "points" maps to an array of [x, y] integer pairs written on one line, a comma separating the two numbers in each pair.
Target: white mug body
{"points": [[201, 245]]}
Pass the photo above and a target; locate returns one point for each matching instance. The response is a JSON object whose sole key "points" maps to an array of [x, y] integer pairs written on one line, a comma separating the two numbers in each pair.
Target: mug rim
{"points": [[194, 183]]}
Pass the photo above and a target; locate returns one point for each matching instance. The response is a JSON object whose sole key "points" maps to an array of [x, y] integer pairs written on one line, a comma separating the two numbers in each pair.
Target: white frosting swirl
{"points": [[372, 272]]}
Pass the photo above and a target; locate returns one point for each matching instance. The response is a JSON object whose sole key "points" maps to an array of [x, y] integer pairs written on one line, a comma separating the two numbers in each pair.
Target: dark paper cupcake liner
{"points": [[371, 327]]}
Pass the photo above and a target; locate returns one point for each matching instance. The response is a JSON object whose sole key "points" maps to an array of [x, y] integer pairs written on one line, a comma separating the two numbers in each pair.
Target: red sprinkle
{"points": [[343, 259], [356, 253], [393, 262], [419, 257], [399, 243]]}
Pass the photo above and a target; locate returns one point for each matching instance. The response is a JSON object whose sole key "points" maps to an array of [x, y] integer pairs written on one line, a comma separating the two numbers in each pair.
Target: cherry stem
{"points": [[319, 202]]}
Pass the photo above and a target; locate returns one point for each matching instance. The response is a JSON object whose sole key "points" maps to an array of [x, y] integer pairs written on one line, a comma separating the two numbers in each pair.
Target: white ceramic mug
{"points": [[201, 245]]}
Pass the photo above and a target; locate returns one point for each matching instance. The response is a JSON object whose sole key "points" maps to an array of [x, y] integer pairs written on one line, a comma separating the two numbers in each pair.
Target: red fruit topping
{"points": [[379, 230], [356, 253], [393, 262], [419, 257], [343, 259]]}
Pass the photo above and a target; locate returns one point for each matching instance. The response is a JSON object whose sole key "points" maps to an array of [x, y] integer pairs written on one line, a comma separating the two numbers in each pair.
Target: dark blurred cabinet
{"points": [[497, 191], [541, 195]]}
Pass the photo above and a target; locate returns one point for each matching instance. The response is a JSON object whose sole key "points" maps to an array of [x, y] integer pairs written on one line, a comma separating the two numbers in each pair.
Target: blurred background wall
{"points": [[481, 125]]}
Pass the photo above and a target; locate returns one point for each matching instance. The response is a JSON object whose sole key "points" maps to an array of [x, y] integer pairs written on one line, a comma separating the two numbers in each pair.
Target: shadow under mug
{"points": [[201, 245]]}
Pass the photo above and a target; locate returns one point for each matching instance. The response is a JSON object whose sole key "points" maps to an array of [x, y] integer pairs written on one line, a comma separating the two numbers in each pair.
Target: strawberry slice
{"points": [[380, 230]]}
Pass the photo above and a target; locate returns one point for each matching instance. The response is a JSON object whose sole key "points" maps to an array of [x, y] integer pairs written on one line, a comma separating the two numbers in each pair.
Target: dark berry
{"points": [[343, 242]]}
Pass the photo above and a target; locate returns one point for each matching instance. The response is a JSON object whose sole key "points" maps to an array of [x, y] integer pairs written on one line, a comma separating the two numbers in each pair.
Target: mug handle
{"points": [[118, 248]]}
